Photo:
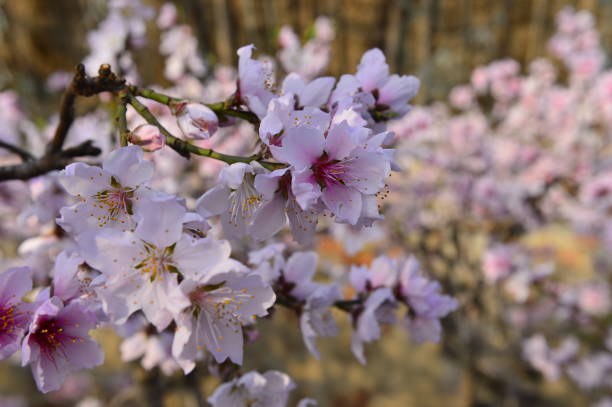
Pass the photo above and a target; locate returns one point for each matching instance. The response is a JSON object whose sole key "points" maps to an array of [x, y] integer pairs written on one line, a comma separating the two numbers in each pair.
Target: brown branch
{"points": [[66, 117], [48, 162], [55, 157], [23, 154], [82, 85]]}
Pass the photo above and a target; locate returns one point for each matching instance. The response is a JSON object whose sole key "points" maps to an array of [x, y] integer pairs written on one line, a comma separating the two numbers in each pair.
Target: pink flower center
{"points": [[156, 262], [330, 172], [277, 140], [222, 304], [117, 203], [51, 336]]}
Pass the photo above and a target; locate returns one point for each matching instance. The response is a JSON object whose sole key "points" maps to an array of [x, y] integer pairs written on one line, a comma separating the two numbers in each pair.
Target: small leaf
{"points": [[173, 269], [213, 287], [115, 183], [129, 207]]}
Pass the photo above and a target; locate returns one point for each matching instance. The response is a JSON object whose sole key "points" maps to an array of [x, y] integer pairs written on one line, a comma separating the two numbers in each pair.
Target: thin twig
{"points": [[48, 162], [55, 158], [82, 85], [23, 154], [66, 117], [121, 119]]}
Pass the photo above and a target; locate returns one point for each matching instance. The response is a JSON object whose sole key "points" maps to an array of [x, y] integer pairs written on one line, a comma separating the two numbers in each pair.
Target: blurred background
{"points": [[439, 41]]}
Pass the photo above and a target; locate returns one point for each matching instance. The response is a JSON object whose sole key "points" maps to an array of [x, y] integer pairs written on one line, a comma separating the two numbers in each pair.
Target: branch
{"points": [[81, 85], [185, 148], [66, 117], [121, 119], [23, 154], [48, 162], [221, 109], [106, 81], [55, 158]]}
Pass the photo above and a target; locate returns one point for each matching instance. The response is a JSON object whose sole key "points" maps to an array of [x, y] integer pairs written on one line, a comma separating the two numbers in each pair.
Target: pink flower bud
{"points": [[197, 121], [148, 137], [167, 16], [462, 97]]}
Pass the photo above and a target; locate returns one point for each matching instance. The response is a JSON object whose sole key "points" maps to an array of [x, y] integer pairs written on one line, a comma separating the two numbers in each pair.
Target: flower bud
{"points": [[197, 121], [148, 137]]}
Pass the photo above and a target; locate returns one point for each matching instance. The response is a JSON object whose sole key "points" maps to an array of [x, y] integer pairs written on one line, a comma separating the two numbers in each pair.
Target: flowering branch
{"points": [[185, 148], [221, 109], [82, 85]]}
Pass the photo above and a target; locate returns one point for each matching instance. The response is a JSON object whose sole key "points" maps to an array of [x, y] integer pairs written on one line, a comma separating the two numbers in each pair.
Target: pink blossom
{"points": [[268, 261], [66, 284], [197, 121], [270, 389], [148, 137], [480, 79], [141, 269], [311, 59], [234, 198], [15, 315], [592, 371], [462, 97], [594, 299], [58, 343], [498, 263], [255, 82], [367, 327], [280, 204], [282, 118], [183, 58], [391, 92], [546, 360], [337, 168], [219, 305], [154, 350], [108, 197], [316, 318], [424, 299], [166, 16]]}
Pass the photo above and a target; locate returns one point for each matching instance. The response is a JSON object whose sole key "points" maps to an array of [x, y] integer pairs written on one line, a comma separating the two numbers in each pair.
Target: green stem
{"points": [[121, 120], [220, 108], [151, 94], [184, 148]]}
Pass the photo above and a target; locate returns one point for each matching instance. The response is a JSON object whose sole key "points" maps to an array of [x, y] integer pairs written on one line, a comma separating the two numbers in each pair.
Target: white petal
{"points": [[128, 166], [269, 219], [162, 221], [317, 92]]}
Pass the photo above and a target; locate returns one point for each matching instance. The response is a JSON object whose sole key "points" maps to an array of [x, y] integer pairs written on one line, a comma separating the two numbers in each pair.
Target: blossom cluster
{"points": [[136, 242], [513, 156]]}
